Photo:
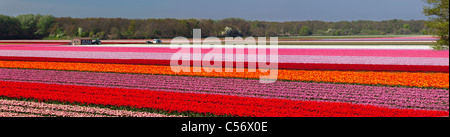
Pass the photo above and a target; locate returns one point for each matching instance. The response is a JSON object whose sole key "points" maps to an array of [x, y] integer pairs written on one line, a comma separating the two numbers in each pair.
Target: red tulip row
{"points": [[201, 103], [293, 66]]}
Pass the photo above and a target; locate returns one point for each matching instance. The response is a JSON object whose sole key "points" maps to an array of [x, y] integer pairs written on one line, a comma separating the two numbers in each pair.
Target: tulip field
{"points": [[51, 80]]}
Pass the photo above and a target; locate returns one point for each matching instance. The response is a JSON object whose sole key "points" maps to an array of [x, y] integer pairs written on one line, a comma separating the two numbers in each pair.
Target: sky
{"points": [[263, 10]]}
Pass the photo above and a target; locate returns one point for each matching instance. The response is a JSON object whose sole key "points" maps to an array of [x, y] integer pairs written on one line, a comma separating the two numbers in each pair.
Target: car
{"points": [[97, 42], [157, 41]]}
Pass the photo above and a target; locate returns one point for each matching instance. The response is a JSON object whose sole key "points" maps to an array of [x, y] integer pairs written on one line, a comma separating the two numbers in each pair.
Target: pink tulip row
{"points": [[46, 112], [67, 110], [281, 51], [9, 114], [442, 61]]}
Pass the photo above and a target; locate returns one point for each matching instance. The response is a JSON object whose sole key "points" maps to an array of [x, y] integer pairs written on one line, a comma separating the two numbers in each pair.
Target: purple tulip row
{"points": [[35, 108], [390, 97]]}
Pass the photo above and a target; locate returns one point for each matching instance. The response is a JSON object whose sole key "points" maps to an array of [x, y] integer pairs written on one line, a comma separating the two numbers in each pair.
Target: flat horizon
{"points": [[260, 10]]}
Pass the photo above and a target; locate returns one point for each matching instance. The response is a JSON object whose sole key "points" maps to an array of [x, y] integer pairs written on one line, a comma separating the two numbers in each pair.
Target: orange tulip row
{"points": [[437, 80]]}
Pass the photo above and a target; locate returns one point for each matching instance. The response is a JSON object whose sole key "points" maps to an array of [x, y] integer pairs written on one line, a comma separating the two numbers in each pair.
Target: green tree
{"points": [[80, 32], [438, 23], [305, 31], [44, 24], [406, 26], [156, 34], [115, 33], [9, 27], [27, 24], [131, 29], [91, 34], [100, 35]]}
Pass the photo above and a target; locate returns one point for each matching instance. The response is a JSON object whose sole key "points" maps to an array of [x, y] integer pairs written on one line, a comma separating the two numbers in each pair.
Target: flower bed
{"points": [[390, 97], [437, 80], [97, 81], [202, 103]]}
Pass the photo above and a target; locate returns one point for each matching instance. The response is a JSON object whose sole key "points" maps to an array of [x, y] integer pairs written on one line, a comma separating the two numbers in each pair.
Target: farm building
{"points": [[82, 41]]}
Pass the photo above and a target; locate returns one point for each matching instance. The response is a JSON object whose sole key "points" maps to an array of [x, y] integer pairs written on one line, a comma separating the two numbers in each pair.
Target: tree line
{"points": [[32, 26]]}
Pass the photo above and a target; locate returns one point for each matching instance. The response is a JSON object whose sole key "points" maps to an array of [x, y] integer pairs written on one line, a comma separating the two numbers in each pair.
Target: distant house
{"points": [[82, 41]]}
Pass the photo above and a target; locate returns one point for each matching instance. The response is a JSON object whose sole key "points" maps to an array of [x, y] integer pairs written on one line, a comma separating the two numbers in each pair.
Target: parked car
{"points": [[97, 42], [157, 41]]}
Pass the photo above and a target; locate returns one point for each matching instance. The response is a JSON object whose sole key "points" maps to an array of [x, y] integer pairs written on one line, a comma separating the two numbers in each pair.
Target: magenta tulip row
{"points": [[441, 61], [34, 108], [390, 97]]}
